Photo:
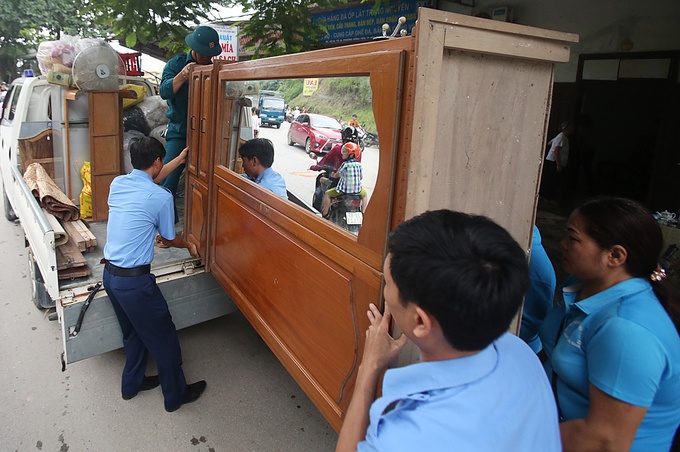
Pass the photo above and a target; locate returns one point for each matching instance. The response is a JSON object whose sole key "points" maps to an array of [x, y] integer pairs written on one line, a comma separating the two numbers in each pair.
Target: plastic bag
{"points": [[140, 90], [133, 119], [154, 109], [86, 194], [158, 133], [57, 56], [127, 139]]}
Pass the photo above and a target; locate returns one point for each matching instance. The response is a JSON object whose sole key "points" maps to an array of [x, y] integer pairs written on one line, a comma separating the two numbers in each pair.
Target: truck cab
{"points": [[272, 110]]}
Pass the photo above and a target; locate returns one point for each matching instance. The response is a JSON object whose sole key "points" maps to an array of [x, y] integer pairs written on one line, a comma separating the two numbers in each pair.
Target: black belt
{"points": [[120, 271]]}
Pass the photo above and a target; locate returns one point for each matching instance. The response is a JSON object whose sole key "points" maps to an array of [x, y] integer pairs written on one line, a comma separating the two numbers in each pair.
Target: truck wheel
{"points": [[41, 299], [278, 126], [9, 211]]}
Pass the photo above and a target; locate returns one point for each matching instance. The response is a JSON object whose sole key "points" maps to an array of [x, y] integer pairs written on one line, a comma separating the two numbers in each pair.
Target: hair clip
{"points": [[658, 274]]}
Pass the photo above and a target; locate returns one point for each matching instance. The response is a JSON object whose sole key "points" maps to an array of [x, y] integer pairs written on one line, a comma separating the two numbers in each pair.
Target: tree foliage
{"points": [[279, 27], [160, 22], [27, 23]]}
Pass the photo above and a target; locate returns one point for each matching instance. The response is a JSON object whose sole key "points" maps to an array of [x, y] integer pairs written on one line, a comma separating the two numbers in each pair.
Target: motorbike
{"points": [[345, 210], [366, 138], [371, 139]]}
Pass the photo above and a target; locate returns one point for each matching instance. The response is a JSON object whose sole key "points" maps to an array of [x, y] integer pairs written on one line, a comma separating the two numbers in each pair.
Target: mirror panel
{"points": [[304, 119]]}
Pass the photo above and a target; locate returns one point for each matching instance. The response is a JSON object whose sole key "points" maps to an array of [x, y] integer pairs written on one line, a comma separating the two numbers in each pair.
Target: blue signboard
{"points": [[362, 23]]}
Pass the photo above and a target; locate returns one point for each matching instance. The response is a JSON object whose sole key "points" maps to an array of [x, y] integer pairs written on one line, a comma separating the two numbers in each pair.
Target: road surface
{"points": [[250, 404]]}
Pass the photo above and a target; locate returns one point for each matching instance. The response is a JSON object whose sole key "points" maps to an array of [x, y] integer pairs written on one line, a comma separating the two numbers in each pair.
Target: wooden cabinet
{"points": [[201, 111], [200, 134], [461, 110], [106, 147]]}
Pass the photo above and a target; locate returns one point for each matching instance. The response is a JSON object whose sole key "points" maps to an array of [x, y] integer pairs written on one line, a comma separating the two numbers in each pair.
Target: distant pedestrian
{"points": [[554, 181]]}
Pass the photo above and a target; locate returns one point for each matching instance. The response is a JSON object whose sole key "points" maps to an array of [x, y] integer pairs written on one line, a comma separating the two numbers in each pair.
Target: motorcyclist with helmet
{"points": [[329, 164], [349, 175]]}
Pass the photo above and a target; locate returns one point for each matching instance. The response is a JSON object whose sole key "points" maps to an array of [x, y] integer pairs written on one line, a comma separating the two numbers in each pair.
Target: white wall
{"points": [[602, 25]]}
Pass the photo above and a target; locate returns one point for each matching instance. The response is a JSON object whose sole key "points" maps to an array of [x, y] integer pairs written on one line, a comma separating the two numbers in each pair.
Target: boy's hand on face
{"points": [[380, 348]]}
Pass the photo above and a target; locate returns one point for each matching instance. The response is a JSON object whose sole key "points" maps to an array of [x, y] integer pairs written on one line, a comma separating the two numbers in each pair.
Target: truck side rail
{"points": [[37, 229]]}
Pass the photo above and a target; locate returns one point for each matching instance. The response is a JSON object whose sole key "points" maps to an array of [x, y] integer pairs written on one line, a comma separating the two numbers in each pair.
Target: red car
{"points": [[318, 133]]}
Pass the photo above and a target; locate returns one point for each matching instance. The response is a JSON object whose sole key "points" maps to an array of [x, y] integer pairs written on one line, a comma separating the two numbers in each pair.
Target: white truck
{"points": [[33, 107]]}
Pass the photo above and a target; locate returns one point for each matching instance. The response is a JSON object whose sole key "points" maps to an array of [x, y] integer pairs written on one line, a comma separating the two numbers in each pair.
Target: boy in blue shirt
{"points": [[453, 284]]}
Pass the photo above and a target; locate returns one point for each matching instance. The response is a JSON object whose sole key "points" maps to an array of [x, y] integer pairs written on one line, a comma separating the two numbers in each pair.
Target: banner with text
{"points": [[362, 23], [310, 87], [228, 41]]}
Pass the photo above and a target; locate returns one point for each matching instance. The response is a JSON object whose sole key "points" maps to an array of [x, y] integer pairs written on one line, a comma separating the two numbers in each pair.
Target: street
{"points": [[250, 404], [293, 164]]}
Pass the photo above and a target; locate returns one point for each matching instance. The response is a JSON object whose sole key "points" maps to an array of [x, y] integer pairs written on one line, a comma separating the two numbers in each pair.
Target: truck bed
{"points": [[162, 258]]}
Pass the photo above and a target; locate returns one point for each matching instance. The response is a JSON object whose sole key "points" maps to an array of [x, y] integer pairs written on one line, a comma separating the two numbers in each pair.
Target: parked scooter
{"points": [[371, 139]]}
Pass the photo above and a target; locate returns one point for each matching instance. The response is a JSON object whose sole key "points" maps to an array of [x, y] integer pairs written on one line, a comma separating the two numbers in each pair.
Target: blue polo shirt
{"points": [[623, 342], [540, 294], [137, 209], [272, 181], [496, 400]]}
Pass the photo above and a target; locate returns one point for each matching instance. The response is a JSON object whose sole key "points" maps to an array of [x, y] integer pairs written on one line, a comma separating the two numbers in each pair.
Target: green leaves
{"points": [[283, 26]]}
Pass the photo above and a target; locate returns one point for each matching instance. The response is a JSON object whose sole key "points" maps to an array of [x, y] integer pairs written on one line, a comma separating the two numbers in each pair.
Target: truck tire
{"points": [[41, 299], [278, 126], [9, 211]]}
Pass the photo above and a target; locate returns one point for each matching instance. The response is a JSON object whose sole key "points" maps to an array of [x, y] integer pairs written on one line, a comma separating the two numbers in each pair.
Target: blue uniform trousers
{"points": [[147, 328], [173, 147]]}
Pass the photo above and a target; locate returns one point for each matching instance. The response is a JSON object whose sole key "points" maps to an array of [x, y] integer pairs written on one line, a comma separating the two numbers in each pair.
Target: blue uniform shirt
{"points": [[540, 294], [271, 180], [623, 342], [496, 400], [137, 209], [178, 103]]}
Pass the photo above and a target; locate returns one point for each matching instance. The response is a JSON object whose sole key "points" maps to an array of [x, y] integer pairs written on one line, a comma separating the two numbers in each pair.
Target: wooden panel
{"points": [[196, 224], [205, 130], [496, 37], [106, 155], [38, 149], [309, 309], [484, 153], [385, 70], [489, 90], [106, 147], [195, 96], [100, 123], [100, 196]]}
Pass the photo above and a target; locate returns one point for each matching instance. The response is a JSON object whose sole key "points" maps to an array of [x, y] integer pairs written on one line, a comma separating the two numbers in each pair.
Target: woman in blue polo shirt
{"points": [[613, 348]]}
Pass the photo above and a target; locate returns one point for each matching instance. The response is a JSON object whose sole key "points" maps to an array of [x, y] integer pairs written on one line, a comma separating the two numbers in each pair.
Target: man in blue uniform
{"points": [[258, 156], [453, 284], [205, 44], [138, 209]]}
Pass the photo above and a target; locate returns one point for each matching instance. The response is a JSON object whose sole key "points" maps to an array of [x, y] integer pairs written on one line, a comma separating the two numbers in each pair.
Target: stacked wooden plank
{"points": [[70, 260], [81, 235]]}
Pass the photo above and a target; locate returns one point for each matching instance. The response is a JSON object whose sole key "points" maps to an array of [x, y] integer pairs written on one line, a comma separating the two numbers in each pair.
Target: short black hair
{"points": [[262, 148], [464, 270], [144, 151]]}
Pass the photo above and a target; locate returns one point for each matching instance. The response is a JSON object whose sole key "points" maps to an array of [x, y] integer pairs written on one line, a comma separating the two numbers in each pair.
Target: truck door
{"points": [[303, 282]]}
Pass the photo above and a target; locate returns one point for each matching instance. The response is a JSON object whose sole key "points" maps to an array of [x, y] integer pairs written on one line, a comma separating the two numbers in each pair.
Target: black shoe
{"points": [[194, 391], [148, 383]]}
